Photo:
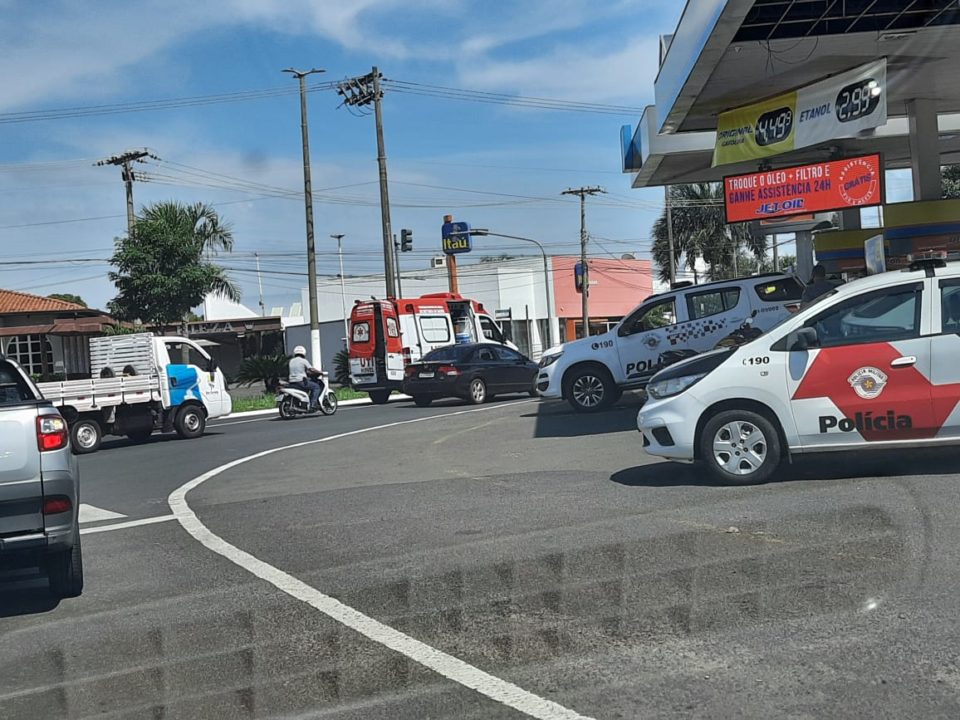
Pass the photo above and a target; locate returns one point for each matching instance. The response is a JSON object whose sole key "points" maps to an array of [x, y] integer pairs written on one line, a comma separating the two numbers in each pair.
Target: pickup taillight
{"points": [[52, 433]]}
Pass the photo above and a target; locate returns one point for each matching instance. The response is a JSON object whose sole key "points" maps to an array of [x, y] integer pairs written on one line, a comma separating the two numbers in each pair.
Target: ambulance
{"points": [[388, 335], [870, 366]]}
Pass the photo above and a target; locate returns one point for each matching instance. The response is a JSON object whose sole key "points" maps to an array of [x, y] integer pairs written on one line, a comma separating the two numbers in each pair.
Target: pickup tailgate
{"points": [[21, 488]]}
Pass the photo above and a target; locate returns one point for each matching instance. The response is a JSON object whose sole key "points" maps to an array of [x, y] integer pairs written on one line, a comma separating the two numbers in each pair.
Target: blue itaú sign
{"points": [[456, 238]]}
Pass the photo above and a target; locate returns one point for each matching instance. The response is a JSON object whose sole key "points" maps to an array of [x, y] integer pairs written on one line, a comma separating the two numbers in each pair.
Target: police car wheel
{"points": [[740, 447], [590, 390]]}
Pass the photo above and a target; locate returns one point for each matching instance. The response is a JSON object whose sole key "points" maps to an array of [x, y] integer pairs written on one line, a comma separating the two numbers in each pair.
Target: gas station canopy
{"points": [[729, 53]]}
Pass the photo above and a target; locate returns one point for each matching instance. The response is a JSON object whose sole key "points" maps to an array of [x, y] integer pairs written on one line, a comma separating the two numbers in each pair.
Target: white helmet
{"points": [[300, 350]]}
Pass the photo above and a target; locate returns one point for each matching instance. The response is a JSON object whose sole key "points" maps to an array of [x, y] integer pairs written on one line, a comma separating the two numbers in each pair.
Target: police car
{"points": [[592, 372], [874, 364]]}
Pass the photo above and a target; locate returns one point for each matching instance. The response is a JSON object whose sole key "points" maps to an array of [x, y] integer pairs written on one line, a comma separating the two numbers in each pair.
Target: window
{"points": [[780, 290], [950, 306], [882, 316], [435, 329], [705, 304], [490, 329], [185, 354], [361, 332], [30, 352], [650, 317], [505, 354], [450, 353], [484, 355], [393, 330]]}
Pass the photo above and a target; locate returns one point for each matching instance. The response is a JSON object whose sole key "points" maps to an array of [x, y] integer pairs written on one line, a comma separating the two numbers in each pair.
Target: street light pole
{"points": [[308, 202], [551, 338], [343, 306]]}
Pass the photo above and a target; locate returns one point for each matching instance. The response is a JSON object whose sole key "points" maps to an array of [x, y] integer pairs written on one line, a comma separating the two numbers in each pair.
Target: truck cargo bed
{"points": [[102, 392]]}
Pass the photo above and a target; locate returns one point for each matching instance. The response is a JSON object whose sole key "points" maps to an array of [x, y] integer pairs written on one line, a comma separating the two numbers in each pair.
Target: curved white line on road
{"points": [[440, 662]]}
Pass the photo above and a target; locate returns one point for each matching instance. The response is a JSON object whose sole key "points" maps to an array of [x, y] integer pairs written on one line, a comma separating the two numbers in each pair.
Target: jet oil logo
{"points": [[867, 422]]}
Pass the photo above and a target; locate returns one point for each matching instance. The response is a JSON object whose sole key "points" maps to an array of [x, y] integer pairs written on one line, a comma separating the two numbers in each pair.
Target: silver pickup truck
{"points": [[39, 485]]}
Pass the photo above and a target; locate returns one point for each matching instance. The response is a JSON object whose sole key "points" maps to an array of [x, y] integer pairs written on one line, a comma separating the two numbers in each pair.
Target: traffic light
{"points": [[578, 276], [406, 240]]}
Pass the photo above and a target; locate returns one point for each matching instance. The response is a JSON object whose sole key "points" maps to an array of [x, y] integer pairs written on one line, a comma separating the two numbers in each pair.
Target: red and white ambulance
{"points": [[387, 335]]}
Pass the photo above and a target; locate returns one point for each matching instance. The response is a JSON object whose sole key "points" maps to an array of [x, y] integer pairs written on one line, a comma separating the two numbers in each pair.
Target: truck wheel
{"points": [[590, 389], [85, 435], [65, 570], [379, 397], [190, 422], [740, 447]]}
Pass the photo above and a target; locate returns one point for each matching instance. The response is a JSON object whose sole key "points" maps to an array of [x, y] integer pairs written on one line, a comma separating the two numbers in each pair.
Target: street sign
{"points": [[578, 277], [503, 314], [456, 238]]}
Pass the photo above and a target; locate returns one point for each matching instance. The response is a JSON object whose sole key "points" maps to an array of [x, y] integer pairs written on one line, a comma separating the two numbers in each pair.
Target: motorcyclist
{"points": [[301, 374]]}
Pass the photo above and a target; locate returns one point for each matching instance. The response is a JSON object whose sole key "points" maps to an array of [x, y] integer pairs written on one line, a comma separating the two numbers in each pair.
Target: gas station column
{"points": [[924, 149]]}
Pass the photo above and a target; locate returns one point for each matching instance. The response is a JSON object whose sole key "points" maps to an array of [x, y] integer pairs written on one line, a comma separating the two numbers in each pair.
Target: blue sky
{"points": [[481, 162]]}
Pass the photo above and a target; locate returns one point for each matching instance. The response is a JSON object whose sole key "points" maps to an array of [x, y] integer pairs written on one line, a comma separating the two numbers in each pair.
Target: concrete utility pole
{"points": [[361, 92], [343, 305], [585, 295], [308, 202], [125, 161], [673, 258], [263, 308]]}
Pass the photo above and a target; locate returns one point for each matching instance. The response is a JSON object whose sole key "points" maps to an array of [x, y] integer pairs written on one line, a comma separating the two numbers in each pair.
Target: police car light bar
{"points": [[930, 259]]}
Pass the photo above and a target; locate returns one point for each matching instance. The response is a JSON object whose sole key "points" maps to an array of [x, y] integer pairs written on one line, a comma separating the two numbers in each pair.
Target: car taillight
{"points": [[449, 370], [56, 504], [410, 371], [52, 433]]}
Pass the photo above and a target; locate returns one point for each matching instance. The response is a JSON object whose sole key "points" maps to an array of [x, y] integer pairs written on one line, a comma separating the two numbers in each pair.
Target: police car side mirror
{"points": [[802, 339]]}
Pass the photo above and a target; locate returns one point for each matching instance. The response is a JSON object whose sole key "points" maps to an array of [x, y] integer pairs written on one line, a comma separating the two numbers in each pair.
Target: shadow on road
{"points": [[829, 466], [118, 442], [556, 418], [25, 594]]}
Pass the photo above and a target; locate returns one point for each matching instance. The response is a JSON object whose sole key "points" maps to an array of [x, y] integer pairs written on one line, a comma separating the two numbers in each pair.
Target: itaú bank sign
{"points": [[804, 189]]}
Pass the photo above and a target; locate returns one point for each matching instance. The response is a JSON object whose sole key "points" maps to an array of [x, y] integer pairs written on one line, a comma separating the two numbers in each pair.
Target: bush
{"points": [[341, 368], [267, 369]]}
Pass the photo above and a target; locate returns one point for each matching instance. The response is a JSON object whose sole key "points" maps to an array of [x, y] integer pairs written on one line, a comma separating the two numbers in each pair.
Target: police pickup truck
{"points": [[872, 365], [591, 373]]}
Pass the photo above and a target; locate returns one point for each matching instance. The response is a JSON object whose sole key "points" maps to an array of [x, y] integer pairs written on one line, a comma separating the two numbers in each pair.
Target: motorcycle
{"points": [[294, 401]]}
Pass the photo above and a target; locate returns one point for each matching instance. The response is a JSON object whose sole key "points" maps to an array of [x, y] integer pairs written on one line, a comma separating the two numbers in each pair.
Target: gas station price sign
{"points": [[804, 189]]}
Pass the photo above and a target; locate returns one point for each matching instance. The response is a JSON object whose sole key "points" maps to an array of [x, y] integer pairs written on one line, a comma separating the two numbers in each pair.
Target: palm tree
{"points": [[700, 231], [164, 268]]}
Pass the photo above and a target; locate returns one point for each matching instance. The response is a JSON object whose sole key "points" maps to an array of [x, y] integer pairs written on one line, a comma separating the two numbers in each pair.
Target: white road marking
{"points": [[125, 525], [91, 513], [440, 662]]}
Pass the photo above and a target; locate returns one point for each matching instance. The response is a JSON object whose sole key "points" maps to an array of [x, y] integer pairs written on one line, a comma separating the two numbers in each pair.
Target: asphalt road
{"points": [[516, 561]]}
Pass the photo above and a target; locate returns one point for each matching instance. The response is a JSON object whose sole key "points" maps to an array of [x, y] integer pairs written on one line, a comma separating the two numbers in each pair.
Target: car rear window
{"points": [[450, 353], [779, 290], [14, 387]]}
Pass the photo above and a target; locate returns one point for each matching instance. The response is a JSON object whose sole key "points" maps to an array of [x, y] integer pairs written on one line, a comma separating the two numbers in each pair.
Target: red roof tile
{"points": [[18, 302]]}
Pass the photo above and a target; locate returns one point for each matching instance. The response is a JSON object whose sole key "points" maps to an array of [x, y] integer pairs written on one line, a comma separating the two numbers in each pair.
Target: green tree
{"points": [[162, 267], [951, 182], [700, 231], [68, 297]]}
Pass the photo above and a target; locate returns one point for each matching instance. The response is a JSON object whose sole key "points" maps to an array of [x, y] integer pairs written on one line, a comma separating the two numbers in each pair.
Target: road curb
{"points": [[343, 403]]}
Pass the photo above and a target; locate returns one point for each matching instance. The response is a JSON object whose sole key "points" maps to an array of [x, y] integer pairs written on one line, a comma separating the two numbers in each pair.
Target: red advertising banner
{"points": [[804, 189]]}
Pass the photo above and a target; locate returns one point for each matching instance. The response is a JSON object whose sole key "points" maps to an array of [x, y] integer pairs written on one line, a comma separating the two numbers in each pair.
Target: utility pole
{"points": [[673, 258], [585, 296], [125, 161], [263, 308], [308, 202], [361, 92], [343, 306]]}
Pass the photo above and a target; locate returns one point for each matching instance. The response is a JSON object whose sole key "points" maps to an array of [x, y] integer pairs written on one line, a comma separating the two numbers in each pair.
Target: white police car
{"points": [[874, 364], [592, 372]]}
